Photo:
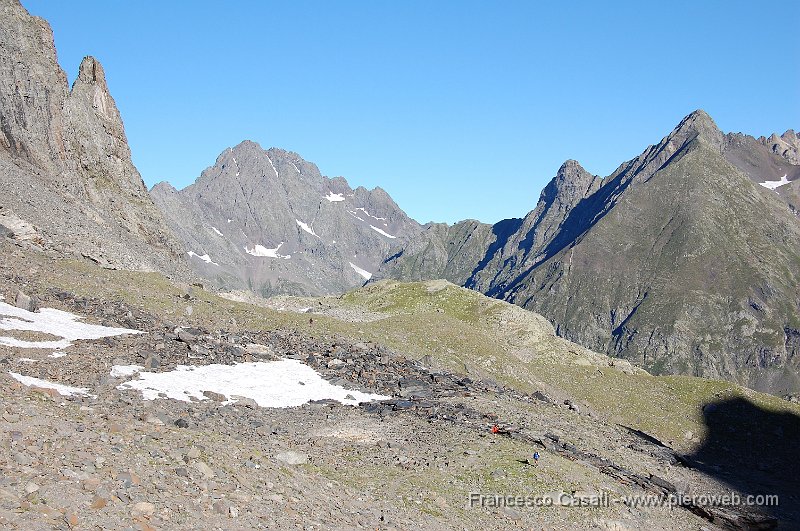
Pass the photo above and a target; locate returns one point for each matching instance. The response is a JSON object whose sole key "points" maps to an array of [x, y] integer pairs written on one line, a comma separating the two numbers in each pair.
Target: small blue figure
{"points": [[535, 458]]}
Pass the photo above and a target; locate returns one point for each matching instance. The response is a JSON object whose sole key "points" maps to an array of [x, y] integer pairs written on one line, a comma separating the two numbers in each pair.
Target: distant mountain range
{"points": [[686, 259], [267, 221]]}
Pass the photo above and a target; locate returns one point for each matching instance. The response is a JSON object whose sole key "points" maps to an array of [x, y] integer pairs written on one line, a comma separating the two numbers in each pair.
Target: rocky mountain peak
{"points": [[163, 187], [378, 195], [245, 148], [697, 124], [269, 221], [571, 184], [697, 127], [33, 89], [90, 102], [91, 71], [572, 172], [620, 263]]}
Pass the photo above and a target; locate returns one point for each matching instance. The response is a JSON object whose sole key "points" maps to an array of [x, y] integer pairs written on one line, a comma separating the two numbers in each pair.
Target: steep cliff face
{"points": [[64, 157], [268, 221], [684, 260], [33, 89]]}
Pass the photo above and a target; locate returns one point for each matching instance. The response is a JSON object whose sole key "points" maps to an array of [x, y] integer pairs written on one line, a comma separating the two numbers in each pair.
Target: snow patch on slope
{"points": [[364, 273], [334, 198], [263, 252], [234, 161], [355, 216], [217, 230], [283, 383], [205, 258], [120, 371], [64, 390], [13, 342], [305, 227], [379, 231], [273, 166], [772, 185], [370, 215], [54, 322]]}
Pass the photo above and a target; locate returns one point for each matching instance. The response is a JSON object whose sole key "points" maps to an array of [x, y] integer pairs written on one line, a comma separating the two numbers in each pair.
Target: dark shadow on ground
{"points": [[756, 452]]}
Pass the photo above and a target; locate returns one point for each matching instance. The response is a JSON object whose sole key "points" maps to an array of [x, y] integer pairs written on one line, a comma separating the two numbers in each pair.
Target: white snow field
{"points": [[279, 384], [334, 198], [57, 323], [54, 322]]}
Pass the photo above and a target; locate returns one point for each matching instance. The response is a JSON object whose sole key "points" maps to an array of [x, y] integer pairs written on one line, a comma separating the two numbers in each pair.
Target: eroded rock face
{"points": [[64, 156], [684, 260]]}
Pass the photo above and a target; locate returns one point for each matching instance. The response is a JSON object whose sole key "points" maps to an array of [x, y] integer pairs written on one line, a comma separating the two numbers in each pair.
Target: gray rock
{"points": [[153, 361], [143, 509], [193, 453], [245, 402], [204, 469], [153, 419], [22, 458], [188, 335], [216, 397], [222, 506], [21, 300], [290, 457]]}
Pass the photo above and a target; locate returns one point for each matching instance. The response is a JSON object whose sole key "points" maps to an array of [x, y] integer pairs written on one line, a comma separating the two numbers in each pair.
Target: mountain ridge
{"points": [[596, 256]]}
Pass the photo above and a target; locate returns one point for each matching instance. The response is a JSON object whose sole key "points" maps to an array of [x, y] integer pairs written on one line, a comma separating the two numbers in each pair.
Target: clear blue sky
{"points": [[459, 109]]}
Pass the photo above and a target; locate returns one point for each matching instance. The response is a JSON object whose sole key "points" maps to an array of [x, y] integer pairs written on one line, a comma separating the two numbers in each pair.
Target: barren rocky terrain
{"points": [[111, 459]]}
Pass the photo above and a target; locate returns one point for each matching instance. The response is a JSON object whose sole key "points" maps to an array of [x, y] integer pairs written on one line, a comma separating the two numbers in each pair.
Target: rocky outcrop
{"points": [[684, 260], [64, 157], [786, 145], [268, 221]]}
